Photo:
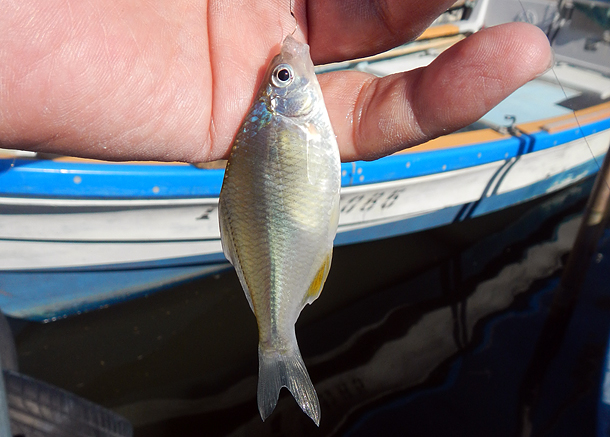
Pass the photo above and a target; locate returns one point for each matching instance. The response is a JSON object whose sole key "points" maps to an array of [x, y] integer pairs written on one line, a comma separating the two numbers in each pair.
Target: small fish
{"points": [[279, 209]]}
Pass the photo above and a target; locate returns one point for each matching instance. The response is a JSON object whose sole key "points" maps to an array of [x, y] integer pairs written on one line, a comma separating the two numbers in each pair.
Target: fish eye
{"points": [[282, 75]]}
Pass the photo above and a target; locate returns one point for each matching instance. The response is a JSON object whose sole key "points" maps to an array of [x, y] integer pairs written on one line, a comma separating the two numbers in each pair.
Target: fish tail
{"points": [[285, 369]]}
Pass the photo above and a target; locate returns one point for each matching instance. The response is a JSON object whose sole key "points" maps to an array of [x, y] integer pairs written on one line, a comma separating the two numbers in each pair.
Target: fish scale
{"points": [[278, 210]]}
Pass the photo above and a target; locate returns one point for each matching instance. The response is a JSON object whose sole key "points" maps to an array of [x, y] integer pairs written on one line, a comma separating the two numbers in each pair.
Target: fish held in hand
{"points": [[279, 209]]}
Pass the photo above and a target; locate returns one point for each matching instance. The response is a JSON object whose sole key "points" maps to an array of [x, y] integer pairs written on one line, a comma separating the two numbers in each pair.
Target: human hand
{"points": [[171, 80]]}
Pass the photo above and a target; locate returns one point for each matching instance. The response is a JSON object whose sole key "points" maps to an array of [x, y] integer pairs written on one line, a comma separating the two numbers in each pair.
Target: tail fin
{"points": [[277, 370]]}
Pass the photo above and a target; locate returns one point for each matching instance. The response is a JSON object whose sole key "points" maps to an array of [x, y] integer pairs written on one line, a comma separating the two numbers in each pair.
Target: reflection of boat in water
{"points": [[76, 234]]}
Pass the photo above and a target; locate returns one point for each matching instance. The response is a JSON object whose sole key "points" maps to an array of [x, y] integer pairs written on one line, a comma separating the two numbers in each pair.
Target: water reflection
{"points": [[394, 319]]}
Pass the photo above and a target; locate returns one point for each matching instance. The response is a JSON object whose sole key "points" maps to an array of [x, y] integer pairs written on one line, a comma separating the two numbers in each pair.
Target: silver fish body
{"points": [[279, 209]]}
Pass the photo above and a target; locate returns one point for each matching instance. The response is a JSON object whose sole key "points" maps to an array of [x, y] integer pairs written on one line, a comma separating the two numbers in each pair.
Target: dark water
{"points": [[422, 335]]}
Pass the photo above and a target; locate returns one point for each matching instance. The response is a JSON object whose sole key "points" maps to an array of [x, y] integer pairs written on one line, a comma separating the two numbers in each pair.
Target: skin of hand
{"points": [[171, 80]]}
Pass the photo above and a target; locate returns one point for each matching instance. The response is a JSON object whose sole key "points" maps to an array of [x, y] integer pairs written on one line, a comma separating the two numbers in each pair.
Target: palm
{"points": [[172, 79]]}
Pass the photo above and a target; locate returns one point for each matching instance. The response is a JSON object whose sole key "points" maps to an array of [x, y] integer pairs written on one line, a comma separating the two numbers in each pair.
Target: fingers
{"points": [[373, 117], [339, 30]]}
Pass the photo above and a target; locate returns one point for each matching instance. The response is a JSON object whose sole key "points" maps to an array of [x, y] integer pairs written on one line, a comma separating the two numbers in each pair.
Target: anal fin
{"points": [[315, 288]]}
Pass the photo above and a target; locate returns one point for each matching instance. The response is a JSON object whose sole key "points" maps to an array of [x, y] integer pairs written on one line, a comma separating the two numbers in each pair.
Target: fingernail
{"points": [[551, 63]]}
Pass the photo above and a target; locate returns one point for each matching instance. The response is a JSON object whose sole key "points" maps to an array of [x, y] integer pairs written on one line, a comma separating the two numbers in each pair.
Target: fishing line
{"points": [[563, 90], [296, 22]]}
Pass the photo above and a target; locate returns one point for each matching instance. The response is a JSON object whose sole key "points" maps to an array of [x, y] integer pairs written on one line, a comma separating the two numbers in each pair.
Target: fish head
{"points": [[291, 85]]}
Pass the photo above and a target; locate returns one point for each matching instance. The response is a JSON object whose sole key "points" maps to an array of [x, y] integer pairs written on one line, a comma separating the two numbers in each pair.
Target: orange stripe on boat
{"points": [[438, 31], [458, 139], [568, 121]]}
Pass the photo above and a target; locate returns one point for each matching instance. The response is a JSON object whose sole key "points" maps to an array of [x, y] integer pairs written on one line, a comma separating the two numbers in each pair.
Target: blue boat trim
{"points": [[106, 180], [415, 164], [544, 140]]}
